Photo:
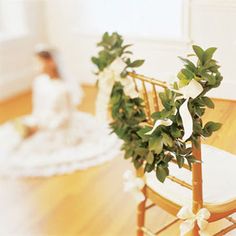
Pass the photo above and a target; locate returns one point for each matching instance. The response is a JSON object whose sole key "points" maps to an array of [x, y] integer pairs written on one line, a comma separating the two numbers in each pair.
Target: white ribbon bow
{"points": [[192, 90], [190, 218], [107, 78], [134, 185]]}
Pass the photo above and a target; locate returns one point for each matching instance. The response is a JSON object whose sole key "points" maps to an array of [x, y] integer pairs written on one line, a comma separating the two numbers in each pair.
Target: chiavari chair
{"points": [[157, 192]]}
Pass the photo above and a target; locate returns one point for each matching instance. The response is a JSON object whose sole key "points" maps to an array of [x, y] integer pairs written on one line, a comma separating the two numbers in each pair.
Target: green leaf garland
{"points": [[155, 151]]}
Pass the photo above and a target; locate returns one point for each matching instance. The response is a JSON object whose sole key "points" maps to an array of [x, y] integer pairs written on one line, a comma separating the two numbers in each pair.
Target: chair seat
{"points": [[219, 179]]}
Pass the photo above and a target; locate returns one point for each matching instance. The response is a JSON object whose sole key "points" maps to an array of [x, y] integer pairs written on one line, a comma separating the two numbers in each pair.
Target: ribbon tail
{"points": [[157, 123], [202, 224], [101, 108], [102, 101], [165, 122], [186, 227], [186, 119], [129, 88]]}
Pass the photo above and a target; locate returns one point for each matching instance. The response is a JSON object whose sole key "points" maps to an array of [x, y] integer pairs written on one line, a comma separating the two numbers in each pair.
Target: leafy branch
{"points": [[155, 151], [112, 48]]}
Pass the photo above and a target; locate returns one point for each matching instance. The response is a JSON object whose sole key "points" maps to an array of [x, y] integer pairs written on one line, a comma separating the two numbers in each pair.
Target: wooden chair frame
{"points": [[217, 211]]}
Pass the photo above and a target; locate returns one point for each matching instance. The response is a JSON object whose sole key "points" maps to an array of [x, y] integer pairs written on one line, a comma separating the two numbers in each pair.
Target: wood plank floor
{"points": [[90, 202]]}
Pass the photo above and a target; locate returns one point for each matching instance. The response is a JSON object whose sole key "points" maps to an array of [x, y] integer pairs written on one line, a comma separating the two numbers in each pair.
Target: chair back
{"points": [[148, 89]]}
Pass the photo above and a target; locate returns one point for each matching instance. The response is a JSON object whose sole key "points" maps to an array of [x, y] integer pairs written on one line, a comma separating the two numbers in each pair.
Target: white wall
{"points": [[211, 23], [16, 51], [65, 32]]}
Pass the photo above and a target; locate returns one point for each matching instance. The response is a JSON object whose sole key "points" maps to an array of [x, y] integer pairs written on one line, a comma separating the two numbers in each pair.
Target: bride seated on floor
{"points": [[55, 138]]}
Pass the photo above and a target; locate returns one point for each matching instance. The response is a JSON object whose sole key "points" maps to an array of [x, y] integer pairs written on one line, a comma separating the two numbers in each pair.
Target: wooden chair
{"points": [[155, 191]]}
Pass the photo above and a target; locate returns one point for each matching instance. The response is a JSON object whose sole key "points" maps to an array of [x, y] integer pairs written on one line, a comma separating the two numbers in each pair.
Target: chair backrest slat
{"points": [[135, 84], [146, 101], [155, 98]]}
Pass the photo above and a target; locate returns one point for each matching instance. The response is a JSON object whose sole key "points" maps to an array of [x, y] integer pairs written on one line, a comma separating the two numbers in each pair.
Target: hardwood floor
{"points": [[90, 202]]}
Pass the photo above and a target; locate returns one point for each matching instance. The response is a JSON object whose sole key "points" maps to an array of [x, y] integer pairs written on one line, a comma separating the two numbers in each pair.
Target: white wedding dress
{"points": [[66, 140]]}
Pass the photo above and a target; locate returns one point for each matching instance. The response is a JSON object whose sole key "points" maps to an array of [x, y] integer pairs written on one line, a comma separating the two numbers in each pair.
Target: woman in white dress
{"points": [[55, 138]]}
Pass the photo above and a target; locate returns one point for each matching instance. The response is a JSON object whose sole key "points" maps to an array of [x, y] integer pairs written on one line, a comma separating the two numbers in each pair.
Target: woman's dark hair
{"points": [[49, 55], [44, 54]]}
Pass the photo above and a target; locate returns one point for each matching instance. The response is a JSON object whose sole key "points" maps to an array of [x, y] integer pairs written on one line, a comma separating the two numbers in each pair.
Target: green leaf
{"points": [[210, 127], [180, 161], [142, 132], [168, 158], [183, 80], [150, 157], [175, 85], [167, 140], [105, 38], [191, 55], [128, 153], [197, 128], [162, 173], [186, 151], [189, 75], [213, 126], [207, 55], [165, 101], [175, 132], [210, 79], [148, 168], [127, 52], [126, 46], [199, 111], [161, 114], [208, 102], [190, 159], [141, 151], [206, 133], [199, 52], [189, 64], [95, 60], [137, 163], [115, 98], [155, 144], [136, 63]]}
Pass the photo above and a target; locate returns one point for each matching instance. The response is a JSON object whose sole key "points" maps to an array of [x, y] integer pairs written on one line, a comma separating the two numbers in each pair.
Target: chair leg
{"points": [[140, 218], [141, 206], [195, 230]]}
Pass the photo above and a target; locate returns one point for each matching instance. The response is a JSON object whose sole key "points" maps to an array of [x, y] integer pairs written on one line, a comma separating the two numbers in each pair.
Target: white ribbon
{"points": [[134, 185], [186, 119], [106, 80], [129, 87], [190, 218], [165, 122], [192, 90]]}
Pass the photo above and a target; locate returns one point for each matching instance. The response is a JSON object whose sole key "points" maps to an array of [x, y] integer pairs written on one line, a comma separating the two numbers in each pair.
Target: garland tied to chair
{"points": [[154, 147]]}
